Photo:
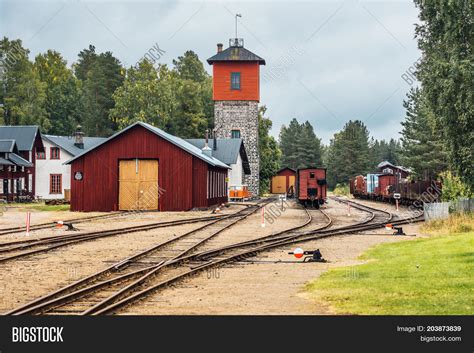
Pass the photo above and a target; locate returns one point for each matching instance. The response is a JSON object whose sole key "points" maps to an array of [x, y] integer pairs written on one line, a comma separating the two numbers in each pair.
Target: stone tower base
{"points": [[242, 116]]}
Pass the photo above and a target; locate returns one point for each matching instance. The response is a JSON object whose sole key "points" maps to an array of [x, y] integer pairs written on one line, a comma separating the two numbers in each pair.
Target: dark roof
{"points": [[8, 146], [67, 143], [285, 168], [4, 161], [227, 150], [177, 141], [235, 53], [19, 161], [388, 164], [24, 136]]}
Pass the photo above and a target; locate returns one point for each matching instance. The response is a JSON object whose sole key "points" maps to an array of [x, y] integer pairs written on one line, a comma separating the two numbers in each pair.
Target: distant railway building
{"points": [[283, 180], [236, 94], [19, 148], [144, 168]]}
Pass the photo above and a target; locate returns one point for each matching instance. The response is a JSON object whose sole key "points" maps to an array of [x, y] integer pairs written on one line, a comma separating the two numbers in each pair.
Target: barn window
{"points": [[235, 80], [311, 175], [54, 153], [235, 134], [40, 155], [55, 184]]}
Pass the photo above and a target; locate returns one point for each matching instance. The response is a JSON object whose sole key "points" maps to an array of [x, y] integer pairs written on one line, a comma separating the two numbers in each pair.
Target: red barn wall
{"points": [[98, 191], [249, 81]]}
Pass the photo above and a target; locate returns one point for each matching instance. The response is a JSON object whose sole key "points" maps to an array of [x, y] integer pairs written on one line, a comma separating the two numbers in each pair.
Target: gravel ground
{"points": [[271, 283], [26, 279], [120, 221]]}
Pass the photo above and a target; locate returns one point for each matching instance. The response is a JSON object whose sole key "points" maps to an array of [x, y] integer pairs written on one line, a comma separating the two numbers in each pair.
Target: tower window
{"points": [[235, 134], [235, 80]]}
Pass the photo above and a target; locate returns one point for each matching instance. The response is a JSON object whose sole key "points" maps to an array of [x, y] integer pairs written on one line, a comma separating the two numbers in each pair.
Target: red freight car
{"points": [[358, 186], [385, 189], [311, 186]]}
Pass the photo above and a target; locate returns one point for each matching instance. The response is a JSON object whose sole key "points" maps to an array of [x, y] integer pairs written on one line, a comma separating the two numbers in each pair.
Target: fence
{"points": [[441, 210]]}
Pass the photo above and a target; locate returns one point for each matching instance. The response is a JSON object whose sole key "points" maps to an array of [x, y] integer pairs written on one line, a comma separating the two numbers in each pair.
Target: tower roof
{"points": [[235, 52]]}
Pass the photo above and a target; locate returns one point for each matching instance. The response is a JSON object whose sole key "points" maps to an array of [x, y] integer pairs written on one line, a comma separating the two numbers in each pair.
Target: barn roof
{"points": [[285, 168], [8, 145], [227, 150], [24, 136], [388, 164], [179, 142], [19, 160], [235, 53], [67, 143], [4, 161]]}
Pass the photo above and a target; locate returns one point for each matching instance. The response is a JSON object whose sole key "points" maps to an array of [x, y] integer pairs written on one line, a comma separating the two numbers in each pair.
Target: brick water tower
{"points": [[236, 93]]}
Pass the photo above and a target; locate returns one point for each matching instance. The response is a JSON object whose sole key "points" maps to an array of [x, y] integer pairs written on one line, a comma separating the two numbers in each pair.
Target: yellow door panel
{"points": [[292, 181], [278, 184], [138, 185]]}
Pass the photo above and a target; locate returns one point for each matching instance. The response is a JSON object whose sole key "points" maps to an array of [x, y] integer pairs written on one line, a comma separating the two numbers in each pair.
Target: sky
{"points": [[326, 61]]}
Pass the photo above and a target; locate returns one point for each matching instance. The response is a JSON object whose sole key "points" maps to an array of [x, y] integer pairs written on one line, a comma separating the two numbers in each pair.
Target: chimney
{"points": [[215, 140], [79, 137], [219, 47], [206, 149]]}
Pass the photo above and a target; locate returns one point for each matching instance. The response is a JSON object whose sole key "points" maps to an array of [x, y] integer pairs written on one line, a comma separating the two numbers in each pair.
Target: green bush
{"points": [[453, 188]]}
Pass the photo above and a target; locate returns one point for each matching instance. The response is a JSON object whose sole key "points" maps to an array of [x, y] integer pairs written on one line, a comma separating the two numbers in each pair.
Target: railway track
{"points": [[21, 229], [134, 278], [27, 247], [85, 292]]}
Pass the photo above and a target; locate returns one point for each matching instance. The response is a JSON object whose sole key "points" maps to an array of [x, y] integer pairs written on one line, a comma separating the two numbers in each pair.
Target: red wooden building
{"points": [[144, 168], [19, 147], [235, 73], [283, 180]]}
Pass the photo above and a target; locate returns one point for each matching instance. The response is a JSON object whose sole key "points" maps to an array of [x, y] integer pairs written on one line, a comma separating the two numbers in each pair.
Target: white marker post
{"points": [[349, 209], [263, 217], [396, 196], [28, 220]]}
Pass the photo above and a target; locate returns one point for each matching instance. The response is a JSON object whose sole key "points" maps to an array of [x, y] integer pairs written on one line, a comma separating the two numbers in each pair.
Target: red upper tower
{"points": [[236, 73]]}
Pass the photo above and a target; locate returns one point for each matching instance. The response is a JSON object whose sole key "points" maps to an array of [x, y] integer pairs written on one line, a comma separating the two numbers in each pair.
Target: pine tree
{"points": [[423, 149], [445, 37], [101, 74], [300, 146], [348, 153]]}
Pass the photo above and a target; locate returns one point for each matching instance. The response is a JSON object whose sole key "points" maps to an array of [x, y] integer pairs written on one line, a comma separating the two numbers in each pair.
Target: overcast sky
{"points": [[327, 61]]}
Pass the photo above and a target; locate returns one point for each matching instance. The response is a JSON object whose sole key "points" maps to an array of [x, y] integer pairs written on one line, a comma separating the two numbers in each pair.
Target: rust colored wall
{"points": [[181, 176], [249, 81]]}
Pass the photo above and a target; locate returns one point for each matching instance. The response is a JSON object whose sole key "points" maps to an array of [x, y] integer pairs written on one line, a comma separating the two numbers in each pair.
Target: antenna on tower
{"points": [[236, 15]]}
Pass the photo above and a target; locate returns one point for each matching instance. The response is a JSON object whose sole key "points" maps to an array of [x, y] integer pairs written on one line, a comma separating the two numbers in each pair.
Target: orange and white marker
{"points": [[263, 216], [298, 252], [59, 224], [389, 226], [28, 220]]}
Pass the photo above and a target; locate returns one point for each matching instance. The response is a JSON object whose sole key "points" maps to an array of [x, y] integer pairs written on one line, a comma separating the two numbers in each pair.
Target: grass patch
{"points": [[39, 207], [431, 276], [456, 223]]}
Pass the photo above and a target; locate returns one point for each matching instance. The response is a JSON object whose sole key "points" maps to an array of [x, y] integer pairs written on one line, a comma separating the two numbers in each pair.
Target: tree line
{"points": [[100, 94]]}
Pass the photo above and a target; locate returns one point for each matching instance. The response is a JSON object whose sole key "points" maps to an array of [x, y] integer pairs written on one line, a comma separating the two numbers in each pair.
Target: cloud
{"points": [[347, 64]]}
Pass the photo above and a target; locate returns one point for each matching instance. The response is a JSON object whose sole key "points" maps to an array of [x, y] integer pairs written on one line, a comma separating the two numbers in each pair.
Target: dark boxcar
{"points": [[311, 186]]}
